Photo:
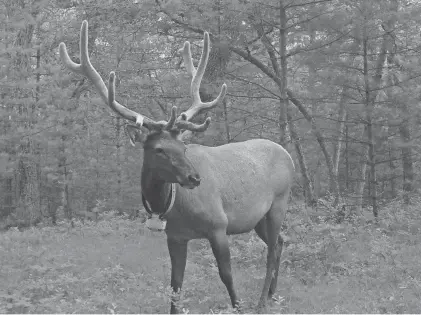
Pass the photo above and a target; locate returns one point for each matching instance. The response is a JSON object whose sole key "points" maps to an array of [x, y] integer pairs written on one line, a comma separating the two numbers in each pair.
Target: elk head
{"points": [[164, 150]]}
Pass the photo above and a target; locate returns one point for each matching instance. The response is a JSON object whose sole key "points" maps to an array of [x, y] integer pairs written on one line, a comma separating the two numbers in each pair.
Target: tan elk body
{"points": [[240, 183], [228, 189]]}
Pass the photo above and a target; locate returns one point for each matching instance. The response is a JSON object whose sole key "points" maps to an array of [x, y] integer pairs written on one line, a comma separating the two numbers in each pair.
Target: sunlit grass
{"points": [[117, 266]]}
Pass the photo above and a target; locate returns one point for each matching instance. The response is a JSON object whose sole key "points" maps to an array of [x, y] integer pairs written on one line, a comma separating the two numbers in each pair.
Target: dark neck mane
{"points": [[155, 190]]}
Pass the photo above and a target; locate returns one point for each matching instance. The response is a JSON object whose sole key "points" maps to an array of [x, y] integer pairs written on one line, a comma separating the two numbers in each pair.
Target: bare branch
{"points": [[306, 3], [270, 49]]}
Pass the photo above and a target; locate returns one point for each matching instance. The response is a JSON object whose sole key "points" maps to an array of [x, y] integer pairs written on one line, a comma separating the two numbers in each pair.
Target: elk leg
{"points": [[261, 231], [274, 283], [274, 219], [178, 255], [221, 251]]}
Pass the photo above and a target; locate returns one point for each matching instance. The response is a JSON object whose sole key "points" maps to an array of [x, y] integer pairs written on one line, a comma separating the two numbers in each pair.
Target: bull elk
{"points": [[203, 192]]}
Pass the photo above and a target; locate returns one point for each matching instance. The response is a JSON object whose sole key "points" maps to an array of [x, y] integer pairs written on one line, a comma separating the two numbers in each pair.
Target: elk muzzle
{"points": [[194, 179], [191, 181]]}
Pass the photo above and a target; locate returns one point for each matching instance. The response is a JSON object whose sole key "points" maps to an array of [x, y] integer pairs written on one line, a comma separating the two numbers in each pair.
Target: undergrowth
{"points": [[118, 266]]}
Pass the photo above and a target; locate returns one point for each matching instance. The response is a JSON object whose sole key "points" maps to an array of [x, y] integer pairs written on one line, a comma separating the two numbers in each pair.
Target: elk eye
{"points": [[159, 150]]}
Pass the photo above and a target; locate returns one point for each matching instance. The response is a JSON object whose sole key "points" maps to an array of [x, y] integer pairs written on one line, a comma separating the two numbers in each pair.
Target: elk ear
{"points": [[136, 134]]}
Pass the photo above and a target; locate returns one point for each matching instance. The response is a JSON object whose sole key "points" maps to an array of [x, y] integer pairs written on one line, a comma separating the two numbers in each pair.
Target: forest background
{"points": [[337, 82]]}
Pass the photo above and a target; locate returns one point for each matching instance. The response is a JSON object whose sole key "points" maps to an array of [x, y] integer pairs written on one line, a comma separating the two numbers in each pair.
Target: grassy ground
{"points": [[116, 266]]}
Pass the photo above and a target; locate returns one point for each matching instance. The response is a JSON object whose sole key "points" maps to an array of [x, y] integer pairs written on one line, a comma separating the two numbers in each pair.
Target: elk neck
{"points": [[156, 191]]}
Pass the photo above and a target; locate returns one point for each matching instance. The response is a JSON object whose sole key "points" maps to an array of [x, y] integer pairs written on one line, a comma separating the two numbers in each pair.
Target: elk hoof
{"points": [[238, 308]]}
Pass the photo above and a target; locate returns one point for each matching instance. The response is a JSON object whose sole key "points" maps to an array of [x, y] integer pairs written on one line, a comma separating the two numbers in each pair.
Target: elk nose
{"points": [[194, 179]]}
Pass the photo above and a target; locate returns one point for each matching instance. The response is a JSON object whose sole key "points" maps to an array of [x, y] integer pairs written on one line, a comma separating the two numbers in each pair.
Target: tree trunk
{"points": [[119, 171], [97, 177], [346, 158], [283, 106], [317, 180], [340, 127], [307, 187], [362, 175], [226, 121], [370, 138], [407, 165], [62, 164], [392, 167]]}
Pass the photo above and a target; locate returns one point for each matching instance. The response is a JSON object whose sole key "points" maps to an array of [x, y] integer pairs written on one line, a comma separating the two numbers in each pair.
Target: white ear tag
{"points": [[139, 120], [155, 223]]}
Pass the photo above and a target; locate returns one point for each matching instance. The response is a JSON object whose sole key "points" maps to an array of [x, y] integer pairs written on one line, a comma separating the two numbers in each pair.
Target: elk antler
{"points": [[197, 75], [85, 68], [159, 125]]}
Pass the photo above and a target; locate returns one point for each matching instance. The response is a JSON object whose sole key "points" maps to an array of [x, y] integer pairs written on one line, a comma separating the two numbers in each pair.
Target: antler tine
{"points": [[195, 109], [85, 68], [170, 124], [197, 75], [188, 125], [197, 78], [155, 125], [188, 61]]}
